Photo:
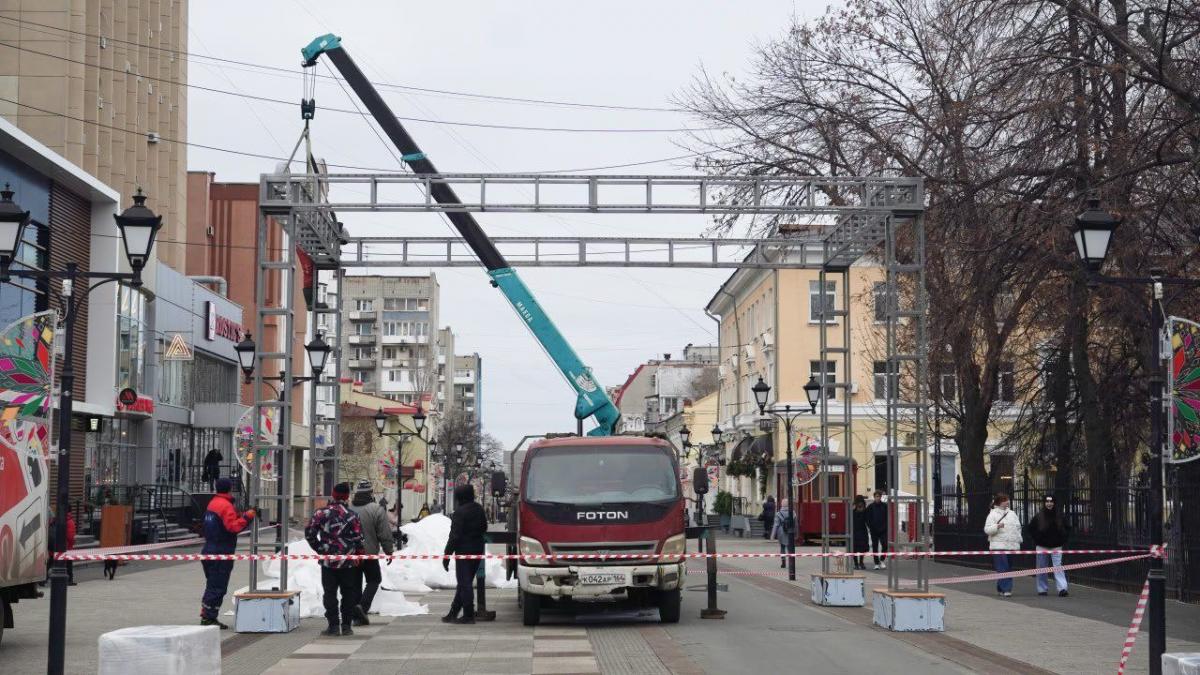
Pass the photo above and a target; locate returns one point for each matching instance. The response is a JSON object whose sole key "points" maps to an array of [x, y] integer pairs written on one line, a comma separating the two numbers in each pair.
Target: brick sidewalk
{"points": [[423, 644]]}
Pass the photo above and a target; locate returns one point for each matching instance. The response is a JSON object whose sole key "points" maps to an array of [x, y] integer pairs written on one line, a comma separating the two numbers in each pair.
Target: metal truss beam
{"points": [[673, 252], [540, 193]]}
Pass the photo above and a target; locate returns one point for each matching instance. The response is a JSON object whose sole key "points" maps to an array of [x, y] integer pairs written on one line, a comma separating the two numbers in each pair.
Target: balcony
{"points": [[362, 364], [464, 379], [362, 339], [364, 315], [405, 340]]}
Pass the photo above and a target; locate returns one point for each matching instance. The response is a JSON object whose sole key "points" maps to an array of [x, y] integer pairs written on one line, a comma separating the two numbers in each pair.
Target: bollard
{"points": [[481, 610], [711, 612]]}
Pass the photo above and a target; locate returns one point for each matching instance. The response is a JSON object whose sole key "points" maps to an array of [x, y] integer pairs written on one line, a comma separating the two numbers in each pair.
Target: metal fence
{"points": [[1103, 518]]}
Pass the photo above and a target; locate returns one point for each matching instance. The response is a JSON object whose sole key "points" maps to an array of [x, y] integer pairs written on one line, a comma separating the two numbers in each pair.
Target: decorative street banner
{"points": [[26, 383], [256, 460], [1183, 390], [807, 460]]}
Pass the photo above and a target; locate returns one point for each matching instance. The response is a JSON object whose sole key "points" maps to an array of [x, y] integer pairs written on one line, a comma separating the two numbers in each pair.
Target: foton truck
{"points": [[598, 496], [23, 531]]}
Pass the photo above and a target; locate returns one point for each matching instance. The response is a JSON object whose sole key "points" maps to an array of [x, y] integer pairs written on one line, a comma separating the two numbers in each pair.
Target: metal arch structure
{"points": [[860, 217]]}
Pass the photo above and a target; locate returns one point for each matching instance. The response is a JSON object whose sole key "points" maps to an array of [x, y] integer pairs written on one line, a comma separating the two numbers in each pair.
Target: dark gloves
{"points": [[446, 564]]}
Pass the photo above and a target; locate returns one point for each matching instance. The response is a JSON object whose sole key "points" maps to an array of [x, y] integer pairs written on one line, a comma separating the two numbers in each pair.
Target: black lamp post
{"points": [[318, 353], [761, 391], [1093, 232], [138, 226]]}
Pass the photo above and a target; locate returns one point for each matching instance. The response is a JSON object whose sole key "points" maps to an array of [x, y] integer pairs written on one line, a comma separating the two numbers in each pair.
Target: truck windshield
{"points": [[601, 475]]}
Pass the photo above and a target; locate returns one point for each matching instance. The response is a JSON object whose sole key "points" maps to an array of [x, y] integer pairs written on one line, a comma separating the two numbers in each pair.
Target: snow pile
{"points": [[427, 537], [305, 576]]}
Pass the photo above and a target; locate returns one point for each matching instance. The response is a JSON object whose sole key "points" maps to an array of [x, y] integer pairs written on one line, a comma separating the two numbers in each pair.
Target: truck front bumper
{"points": [[608, 581]]}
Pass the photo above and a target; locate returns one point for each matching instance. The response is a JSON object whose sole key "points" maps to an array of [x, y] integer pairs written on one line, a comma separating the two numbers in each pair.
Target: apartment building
{"points": [[391, 337], [660, 388], [103, 83], [467, 384]]}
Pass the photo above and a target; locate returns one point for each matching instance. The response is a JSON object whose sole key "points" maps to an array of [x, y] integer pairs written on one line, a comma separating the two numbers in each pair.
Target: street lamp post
{"points": [[138, 226], [419, 422], [1093, 232], [812, 390]]}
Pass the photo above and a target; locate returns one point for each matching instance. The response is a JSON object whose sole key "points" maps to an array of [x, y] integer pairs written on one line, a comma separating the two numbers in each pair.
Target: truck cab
{"points": [[591, 498]]}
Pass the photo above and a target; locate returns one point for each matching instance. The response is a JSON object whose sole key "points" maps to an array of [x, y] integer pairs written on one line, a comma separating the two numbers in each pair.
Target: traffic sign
{"points": [[127, 396]]}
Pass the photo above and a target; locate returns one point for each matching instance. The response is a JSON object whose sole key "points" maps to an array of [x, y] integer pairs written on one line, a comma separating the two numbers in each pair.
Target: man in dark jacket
{"points": [[222, 523], [877, 526], [212, 467], [336, 530], [768, 516], [468, 527], [1049, 534]]}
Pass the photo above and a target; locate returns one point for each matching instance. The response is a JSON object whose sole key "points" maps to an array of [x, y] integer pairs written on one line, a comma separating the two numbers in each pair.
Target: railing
{"points": [[1104, 518]]}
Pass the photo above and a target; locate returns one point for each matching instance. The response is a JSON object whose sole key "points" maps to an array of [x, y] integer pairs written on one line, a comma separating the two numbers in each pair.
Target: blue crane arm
{"points": [[591, 399]]}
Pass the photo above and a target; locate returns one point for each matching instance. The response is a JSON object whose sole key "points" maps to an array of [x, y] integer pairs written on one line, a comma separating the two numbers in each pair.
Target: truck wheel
{"points": [[531, 608], [669, 606]]}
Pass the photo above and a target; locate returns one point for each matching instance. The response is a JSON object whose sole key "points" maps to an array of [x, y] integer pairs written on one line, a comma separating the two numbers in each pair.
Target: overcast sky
{"points": [[616, 52]]}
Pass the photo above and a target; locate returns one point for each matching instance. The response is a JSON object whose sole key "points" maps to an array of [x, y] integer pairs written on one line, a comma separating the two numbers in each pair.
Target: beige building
{"points": [[398, 467], [770, 328], [103, 83]]}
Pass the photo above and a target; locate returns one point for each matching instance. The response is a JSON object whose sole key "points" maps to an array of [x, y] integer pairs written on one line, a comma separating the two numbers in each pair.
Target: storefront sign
{"points": [[129, 401], [219, 326], [178, 349]]}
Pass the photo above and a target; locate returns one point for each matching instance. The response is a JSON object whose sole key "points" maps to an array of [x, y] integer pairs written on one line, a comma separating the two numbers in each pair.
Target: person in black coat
{"points": [[768, 516], [877, 526], [1049, 534], [859, 541], [468, 527]]}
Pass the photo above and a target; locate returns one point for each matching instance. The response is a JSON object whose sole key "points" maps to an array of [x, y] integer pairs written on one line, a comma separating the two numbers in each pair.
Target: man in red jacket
{"points": [[222, 523]]}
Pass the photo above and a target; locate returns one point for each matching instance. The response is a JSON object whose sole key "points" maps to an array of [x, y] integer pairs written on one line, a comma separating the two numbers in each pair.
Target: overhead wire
{"points": [[387, 85]]}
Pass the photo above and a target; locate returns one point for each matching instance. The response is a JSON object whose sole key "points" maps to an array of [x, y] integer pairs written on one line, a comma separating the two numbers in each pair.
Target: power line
{"points": [[352, 167], [426, 90], [346, 111]]}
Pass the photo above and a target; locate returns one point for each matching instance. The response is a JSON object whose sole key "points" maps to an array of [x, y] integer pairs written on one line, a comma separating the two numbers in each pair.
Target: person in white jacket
{"points": [[1003, 529]]}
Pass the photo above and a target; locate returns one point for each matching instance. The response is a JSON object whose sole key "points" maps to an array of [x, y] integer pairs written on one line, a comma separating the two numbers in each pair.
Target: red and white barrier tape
{"points": [[1134, 626], [139, 548], [993, 576], [79, 555]]}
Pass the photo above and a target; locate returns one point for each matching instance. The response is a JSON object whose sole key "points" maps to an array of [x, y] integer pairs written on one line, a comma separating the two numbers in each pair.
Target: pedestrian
{"points": [[71, 531], [859, 517], [782, 529], [877, 527], [222, 523], [768, 516], [377, 534], [1003, 529], [423, 512], [334, 529], [1049, 535], [468, 527], [212, 468]]}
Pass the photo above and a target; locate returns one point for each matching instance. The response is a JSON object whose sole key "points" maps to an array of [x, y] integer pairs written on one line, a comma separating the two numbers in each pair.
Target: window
{"points": [[880, 292], [881, 472], [131, 339], [881, 381], [821, 302], [362, 329], [364, 305], [830, 376], [214, 381], [363, 377], [363, 353], [669, 405], [914, 474], [1005, 383], [176, 386], [948, 381], [389, 353], [406, 304], [949, 471]]}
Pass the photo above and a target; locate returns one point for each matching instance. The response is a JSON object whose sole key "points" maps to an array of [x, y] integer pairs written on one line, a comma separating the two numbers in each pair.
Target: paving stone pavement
{"points": [[423, 644]]}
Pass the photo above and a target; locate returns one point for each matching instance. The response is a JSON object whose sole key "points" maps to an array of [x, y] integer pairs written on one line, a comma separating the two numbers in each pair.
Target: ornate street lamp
{"points": [[12, 224], [812, 390], [318, 353], [246, 350], [685, 436], [761, 391], [139, 226], [1093, 232]]}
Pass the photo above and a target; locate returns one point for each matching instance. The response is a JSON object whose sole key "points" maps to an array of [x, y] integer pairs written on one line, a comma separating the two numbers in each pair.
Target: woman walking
{"points": [[782, 529], [861, 545], [768, 516], [1049, 534], [1003, 529]]}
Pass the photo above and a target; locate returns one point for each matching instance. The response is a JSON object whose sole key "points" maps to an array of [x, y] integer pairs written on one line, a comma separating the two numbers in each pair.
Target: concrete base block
{"points": [[839, 590], [267, 612], [904, 611]]}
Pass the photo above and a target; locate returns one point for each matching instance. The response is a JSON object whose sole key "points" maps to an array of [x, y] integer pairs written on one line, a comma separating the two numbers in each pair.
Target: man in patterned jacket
{"points": [[336, 530]]}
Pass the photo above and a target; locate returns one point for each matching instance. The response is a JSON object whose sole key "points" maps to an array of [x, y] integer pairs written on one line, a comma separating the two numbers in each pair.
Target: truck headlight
{"points": [[673, 548], [532, 547]]}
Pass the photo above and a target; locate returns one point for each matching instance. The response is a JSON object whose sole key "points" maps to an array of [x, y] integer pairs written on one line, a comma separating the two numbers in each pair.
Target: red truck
{"points": [[598, 496]]}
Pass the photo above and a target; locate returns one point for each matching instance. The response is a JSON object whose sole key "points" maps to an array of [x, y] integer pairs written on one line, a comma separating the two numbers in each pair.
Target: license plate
{"points": [[601, 579]]}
